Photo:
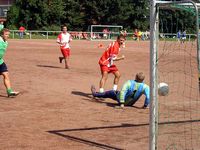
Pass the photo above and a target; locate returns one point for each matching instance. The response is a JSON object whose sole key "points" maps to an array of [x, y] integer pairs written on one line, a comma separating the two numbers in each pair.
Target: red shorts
{"points": [[111, 69], [65, 52]]}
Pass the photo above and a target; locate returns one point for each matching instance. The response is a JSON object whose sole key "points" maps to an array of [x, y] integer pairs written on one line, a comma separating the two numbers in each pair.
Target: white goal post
{"points": [[104, 32], [155, 119]]}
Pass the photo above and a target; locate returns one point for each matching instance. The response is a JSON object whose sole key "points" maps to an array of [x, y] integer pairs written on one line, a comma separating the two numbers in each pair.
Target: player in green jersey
{"points": [[4, 34]]}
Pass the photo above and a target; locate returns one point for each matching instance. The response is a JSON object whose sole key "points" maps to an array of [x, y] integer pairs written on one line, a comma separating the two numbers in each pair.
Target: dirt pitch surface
{"points": [[55, 109]]}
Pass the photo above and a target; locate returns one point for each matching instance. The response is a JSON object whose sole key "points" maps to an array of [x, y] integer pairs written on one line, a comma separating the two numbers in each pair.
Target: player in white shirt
{"points": [[64, 38]]}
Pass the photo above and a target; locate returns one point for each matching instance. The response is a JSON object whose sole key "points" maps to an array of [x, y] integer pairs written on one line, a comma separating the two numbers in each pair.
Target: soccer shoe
{"points": [[66, 67], [93, 89], [13, 94], [60, 59], [145, 107]]}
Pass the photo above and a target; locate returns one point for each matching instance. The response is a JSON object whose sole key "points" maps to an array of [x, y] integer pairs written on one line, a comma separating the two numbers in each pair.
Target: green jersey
{"points": [[1, 26], [3, 46]]}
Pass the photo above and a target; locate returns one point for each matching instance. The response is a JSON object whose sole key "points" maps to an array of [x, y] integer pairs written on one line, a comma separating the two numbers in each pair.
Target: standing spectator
{"points": [[136, 35], [21, 32], [183, 37], [1, 25], [123, 32], [85, 35], [64, 38], [139, 35], [106, 62], [80, 36], [76, 35], [3, 68], [147, 35], [179, 35], [105, 33]]}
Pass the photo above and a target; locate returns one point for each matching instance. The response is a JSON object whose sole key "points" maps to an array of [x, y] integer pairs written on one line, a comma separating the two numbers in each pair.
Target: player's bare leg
{"points": [[6, 80], [103, 81], [7, 84], [116, 80], [93, 89], [66, 63]]}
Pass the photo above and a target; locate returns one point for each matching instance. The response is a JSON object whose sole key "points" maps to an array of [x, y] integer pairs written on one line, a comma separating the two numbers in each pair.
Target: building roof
{"points": [[6, 2]]}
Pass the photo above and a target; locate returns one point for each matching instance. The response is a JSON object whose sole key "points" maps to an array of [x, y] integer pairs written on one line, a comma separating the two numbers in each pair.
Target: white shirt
{"points": [[64, 39]]}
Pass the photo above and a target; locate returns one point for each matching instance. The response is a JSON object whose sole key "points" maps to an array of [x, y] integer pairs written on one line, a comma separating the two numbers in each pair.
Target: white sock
{"points": [[123, 45], [101, 90], [115, 87]]}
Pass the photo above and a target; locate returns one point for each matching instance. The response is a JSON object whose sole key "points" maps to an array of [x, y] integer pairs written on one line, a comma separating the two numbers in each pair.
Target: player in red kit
{"points": [[64, 38], [106, 62]]}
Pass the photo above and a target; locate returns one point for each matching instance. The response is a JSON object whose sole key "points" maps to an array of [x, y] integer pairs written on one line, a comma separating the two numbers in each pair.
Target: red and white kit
{"points": [[64, 39], [106, 60]]}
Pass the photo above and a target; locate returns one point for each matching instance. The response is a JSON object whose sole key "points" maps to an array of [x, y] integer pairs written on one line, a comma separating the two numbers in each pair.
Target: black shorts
{"points": [[3, 68]]}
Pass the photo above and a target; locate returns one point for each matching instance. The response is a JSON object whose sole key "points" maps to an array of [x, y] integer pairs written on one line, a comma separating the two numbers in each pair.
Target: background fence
{"points": [[79, 35]]}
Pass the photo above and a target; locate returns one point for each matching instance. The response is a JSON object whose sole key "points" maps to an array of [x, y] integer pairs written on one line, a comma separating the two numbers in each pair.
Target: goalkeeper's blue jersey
{"points": [[132, 91]]}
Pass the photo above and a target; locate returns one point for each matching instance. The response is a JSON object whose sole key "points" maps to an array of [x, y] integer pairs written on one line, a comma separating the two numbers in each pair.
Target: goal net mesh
{"points": [[179, 111]]}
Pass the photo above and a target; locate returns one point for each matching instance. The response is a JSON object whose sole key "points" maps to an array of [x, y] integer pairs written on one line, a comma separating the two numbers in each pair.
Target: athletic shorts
{"points": [[111, 69], [65, 52], [3, 68]]}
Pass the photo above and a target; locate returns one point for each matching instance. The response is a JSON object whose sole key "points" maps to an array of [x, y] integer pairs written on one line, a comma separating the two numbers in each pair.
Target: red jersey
{"points": [[21, 29], [111, 53]]}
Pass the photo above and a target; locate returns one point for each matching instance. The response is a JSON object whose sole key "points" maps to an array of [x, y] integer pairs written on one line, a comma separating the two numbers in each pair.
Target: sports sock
{"points": [[115, 87], [9, 90], [101, 90]]}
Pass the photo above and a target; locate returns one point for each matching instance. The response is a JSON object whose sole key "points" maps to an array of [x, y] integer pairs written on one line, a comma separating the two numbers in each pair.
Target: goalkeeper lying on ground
{"points": [[130, 93]]}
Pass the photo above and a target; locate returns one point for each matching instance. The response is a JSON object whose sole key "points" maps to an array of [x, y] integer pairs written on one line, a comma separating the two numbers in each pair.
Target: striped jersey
{"points": [[110, 53], [132, 91]]}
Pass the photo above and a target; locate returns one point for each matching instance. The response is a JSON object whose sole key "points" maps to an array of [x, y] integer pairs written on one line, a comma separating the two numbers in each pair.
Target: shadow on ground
{"points": [[49, 66]]}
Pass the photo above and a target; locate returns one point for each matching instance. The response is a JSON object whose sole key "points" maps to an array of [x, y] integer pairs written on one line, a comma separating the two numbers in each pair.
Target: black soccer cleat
{"points": [[60, 59]]}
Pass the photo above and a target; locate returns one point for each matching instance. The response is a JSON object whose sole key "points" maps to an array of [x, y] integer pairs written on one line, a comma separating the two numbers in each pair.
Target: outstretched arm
{"points": [[147, 99]]}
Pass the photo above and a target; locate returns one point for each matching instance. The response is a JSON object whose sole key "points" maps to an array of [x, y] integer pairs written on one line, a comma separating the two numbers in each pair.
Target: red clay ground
{"points": [[56, 99], [56, 111]]}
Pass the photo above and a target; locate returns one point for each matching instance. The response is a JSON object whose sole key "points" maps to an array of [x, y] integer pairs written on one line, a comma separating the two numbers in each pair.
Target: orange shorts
{"points": [[65, 52], [110, 69]]}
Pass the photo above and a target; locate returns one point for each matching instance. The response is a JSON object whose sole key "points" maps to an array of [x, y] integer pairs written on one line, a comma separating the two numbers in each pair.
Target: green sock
{"points": [[9, 90]]}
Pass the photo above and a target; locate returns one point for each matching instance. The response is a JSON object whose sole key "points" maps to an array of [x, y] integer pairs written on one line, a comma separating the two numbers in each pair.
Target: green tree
{"points": [[117, 12], [171, 21], [56, 12], [79, 14], [74, 16], [36, 14], [139, 18], [13, 17]]}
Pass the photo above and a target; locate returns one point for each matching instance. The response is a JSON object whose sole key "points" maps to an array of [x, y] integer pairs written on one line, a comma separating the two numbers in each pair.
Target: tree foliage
{"points": [[171, 21], [79, 14]]}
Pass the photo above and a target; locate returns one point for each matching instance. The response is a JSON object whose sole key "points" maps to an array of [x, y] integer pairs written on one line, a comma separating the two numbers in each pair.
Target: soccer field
{"points": [[55, 109]]}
